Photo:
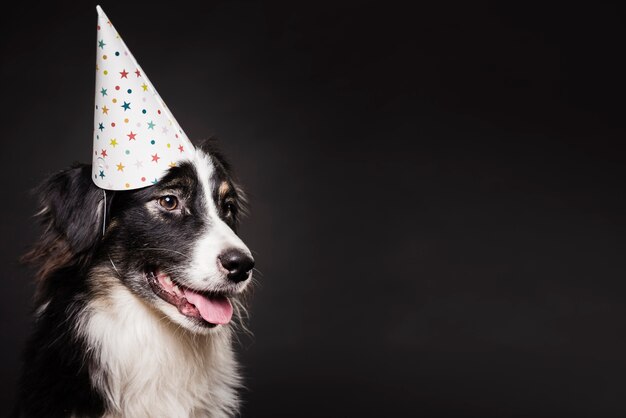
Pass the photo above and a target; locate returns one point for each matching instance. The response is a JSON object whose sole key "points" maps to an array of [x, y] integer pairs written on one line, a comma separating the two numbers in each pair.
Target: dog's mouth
{"points": [[208, 307]]}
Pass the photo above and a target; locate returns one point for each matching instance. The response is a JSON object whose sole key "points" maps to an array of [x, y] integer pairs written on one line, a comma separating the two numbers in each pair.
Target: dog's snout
{"points": [[237, 263]]}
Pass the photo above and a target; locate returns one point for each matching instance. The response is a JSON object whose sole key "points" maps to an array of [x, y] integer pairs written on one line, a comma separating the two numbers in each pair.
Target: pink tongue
{"points": [[216, 310]]}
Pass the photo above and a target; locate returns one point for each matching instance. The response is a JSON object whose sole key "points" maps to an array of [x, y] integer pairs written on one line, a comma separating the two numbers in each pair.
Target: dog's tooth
{"points": [[176, 290], [167, 280]]}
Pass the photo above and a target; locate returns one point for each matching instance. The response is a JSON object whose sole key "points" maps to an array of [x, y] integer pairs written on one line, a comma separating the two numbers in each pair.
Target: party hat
{"points": [[136, 138]]}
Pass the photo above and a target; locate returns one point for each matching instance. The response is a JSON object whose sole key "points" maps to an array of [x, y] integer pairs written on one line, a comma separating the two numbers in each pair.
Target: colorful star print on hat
{"points": [[136, 138]]}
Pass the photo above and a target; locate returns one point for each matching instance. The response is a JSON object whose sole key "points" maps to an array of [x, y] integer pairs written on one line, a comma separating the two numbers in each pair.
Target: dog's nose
{"points": [[237, 263]]}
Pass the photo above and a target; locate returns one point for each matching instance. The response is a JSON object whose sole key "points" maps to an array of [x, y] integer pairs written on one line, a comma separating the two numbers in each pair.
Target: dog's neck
{"points": [[144, 365]]}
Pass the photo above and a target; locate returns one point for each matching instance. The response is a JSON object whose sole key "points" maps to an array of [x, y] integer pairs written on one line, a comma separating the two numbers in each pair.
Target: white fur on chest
{"points": [[149, 367]]}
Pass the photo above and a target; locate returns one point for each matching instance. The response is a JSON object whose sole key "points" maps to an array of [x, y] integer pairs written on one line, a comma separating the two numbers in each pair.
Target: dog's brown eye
{"points": [[168, 202], [230, 208]]}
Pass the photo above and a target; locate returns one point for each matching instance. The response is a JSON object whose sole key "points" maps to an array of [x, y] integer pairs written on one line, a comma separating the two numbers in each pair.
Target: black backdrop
{"points": [[437, 192]]}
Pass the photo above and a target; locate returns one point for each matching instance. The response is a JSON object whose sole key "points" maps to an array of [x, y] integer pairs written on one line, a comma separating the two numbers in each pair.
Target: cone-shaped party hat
{"points": [[136, 138]]}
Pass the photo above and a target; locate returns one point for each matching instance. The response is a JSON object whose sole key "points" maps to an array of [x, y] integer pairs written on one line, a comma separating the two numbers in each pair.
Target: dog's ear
{"points": [[74, 205], [71, 211]]}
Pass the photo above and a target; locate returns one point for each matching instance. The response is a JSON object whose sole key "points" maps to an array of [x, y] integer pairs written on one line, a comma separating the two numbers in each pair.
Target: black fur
{"points": [[55, 380]]}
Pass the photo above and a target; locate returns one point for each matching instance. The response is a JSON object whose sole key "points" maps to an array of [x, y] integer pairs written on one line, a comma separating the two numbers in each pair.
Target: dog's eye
{"points": [[168, 202], [229, 208]]}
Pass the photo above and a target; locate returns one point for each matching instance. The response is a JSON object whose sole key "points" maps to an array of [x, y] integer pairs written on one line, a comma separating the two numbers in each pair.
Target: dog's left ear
{"points": [[74, 207], [71, 207], [71, 213]]}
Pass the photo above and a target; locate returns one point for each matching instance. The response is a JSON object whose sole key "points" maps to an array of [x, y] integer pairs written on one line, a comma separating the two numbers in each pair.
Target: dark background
{"points": [[437, 191]]}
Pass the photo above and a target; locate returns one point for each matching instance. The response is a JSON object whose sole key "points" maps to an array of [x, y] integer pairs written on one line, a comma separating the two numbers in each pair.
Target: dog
{"points": [[138, 295]]}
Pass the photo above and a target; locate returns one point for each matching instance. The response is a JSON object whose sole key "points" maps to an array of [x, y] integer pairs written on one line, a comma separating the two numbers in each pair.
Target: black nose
{"points": [[237, 263]]}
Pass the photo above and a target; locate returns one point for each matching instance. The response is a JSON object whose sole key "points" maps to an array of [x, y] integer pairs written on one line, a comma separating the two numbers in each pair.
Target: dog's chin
{"points": [[199, 311]]}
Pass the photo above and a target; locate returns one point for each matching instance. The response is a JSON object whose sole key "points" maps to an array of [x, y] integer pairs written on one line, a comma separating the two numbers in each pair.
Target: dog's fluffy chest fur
{"points": [[147, 366]]}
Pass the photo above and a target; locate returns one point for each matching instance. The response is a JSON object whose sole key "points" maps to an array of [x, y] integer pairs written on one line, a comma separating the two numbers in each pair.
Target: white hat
{"points": [[136, 138]]}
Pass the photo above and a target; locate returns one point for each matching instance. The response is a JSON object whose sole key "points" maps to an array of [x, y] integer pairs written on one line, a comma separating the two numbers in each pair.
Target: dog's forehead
{"points": [[203, 165], [206, 174]]}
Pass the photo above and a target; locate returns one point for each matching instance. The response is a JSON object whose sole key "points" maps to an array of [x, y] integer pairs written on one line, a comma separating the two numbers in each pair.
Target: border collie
{"points": [[135, 294]]}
